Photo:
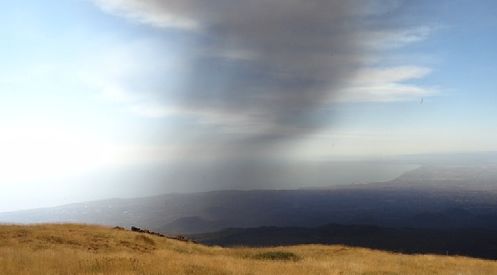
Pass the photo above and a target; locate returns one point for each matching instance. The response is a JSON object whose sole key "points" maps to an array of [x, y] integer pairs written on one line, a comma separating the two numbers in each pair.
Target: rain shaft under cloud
{"points": [[259, 68], [262, 74]]}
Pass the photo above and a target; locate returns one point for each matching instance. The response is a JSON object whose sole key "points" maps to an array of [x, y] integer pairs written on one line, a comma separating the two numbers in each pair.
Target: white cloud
{"points": [[386, 85], [396, 38], [145, 13], [137, 74]]}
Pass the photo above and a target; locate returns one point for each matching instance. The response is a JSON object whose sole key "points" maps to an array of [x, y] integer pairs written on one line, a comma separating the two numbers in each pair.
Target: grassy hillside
{"points": [[476, 243], [81, 249]]}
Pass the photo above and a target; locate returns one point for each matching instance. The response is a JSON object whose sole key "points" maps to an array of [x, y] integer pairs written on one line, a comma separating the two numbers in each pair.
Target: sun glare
{"points": [[45, 153]]}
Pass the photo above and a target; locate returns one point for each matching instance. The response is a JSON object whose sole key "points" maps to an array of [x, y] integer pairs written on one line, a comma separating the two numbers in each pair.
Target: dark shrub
{"points": [[277, 256]]}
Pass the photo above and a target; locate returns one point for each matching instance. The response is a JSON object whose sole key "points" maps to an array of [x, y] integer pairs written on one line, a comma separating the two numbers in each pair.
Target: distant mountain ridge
{"points": [[428, 197]]}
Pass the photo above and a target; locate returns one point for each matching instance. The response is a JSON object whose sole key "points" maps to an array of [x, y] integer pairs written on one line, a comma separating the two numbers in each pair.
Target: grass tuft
{"points": [[277, 256]]}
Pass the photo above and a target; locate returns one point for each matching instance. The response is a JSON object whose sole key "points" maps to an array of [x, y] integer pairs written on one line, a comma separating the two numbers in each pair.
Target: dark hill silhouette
{"points": [[481, 243]]}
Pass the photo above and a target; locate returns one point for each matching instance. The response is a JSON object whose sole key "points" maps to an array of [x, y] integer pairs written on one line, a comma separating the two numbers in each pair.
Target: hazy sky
{"points": [[89, 89]]}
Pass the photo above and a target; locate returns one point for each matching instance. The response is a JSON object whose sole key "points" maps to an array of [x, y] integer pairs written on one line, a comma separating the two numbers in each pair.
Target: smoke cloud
{"points": [[270, 63], [262, 71]]}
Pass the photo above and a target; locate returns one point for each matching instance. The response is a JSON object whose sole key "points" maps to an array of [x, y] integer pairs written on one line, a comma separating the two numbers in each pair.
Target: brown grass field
{"points": [[83, 249]]}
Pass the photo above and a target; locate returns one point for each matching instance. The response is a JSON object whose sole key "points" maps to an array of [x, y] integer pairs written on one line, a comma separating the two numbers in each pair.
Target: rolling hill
{"points": [[480, 243], [83, 249]]}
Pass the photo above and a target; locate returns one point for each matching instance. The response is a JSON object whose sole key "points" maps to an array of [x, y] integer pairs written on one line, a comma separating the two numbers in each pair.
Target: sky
{"points": [[104, 98]]}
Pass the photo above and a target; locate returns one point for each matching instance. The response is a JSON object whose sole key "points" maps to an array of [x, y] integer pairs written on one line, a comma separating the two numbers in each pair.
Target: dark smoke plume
{"points": [[271, 62], [262, 69]]}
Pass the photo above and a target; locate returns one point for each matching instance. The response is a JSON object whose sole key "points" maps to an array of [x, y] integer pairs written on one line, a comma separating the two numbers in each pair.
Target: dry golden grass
{"points": [[82, 249]]}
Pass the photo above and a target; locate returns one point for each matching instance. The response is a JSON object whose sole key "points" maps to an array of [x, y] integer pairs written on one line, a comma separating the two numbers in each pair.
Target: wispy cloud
{"points": [[396, 38], [387, 85], [146, 12]]}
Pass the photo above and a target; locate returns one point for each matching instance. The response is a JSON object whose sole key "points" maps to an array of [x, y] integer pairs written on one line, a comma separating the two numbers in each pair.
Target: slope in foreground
{"points": [[82, 249]]}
